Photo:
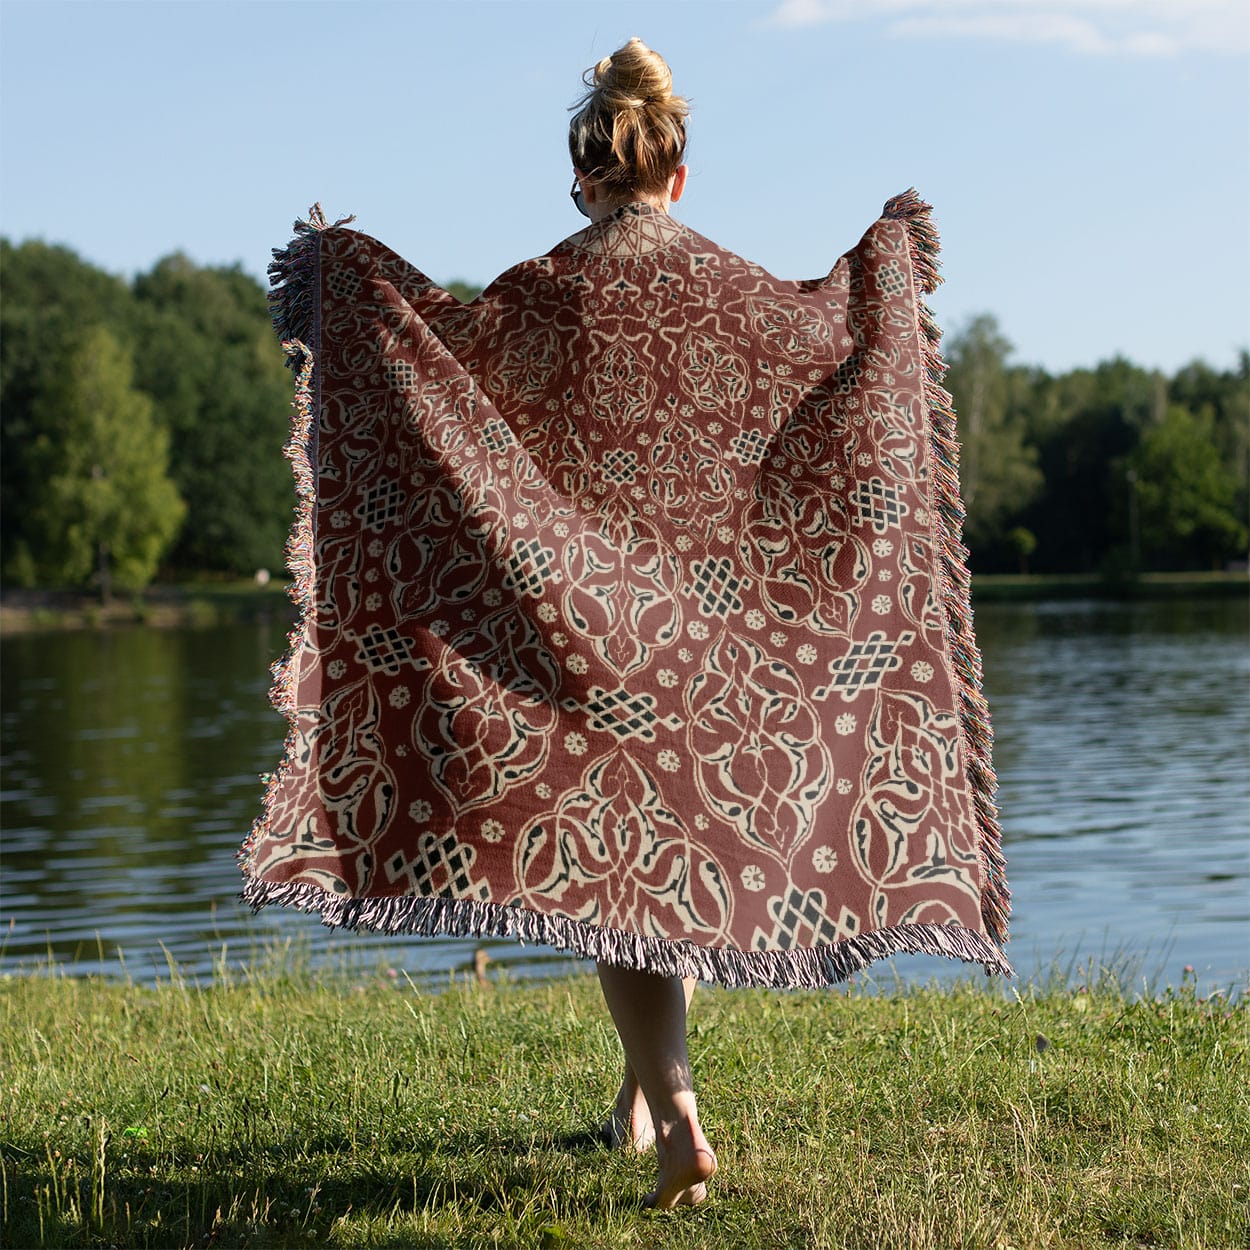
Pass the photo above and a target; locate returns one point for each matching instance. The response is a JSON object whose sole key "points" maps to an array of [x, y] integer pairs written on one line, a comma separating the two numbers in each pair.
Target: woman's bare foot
{"points": [[629, 1126], [649, 1012], [686, 1165]]}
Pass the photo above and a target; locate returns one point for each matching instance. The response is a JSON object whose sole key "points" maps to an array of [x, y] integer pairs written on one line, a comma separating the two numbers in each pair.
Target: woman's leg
{"points": [[629, 1125], [650, 1015]]}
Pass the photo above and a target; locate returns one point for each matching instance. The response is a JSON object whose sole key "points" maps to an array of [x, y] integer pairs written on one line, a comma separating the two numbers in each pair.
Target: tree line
{"points": [[142, 423], [1113, 470]]}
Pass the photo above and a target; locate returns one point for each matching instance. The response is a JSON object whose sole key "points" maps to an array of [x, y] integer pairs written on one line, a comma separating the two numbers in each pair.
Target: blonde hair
{"points": [[629, 133]]}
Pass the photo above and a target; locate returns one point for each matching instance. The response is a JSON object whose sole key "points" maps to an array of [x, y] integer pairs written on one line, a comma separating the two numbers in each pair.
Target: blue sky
{"points": [[1089, 160]]}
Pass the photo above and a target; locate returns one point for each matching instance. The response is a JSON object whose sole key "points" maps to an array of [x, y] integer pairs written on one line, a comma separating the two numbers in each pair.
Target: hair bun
{"points": [[629, 132], [633, 77]]}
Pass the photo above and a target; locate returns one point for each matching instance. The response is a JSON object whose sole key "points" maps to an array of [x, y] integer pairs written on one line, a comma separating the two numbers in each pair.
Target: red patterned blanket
{"points": [[634, 612]]}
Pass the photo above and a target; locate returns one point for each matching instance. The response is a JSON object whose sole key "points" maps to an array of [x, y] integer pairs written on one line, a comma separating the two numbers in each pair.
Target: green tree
{"points": [[208, 358], [1024, 543], [997, 467], [465, 292], [1223, 398], [104, 505], [51, 296], [1085, 424], [1185, 495]]}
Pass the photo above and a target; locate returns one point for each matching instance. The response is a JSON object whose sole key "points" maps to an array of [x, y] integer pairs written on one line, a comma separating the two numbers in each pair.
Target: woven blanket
{"points": [[634, 615]]}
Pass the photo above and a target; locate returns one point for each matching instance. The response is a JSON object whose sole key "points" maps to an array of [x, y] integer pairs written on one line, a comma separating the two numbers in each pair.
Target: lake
{"points": [[131, 762]]}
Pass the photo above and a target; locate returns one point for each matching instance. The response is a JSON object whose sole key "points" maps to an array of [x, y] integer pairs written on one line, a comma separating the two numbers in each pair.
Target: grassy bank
{"points": [[220, 603], [1000, 587], [187, 604], [287, 1110]]}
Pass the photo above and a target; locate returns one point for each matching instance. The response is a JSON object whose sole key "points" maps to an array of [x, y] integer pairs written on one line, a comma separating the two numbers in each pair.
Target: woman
{"points": [[630, 134], [635, 615]]}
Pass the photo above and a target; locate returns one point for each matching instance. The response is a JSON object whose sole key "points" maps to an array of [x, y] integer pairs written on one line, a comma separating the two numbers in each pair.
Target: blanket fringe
{"points": [[788, 969], [294, 275], [955, 581]]}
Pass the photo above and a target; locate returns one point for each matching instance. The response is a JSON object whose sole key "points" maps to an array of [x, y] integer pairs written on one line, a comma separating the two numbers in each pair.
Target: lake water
{"points": [[131, 759]]}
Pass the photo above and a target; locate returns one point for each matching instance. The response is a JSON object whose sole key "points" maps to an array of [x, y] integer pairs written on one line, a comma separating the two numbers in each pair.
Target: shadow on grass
{"points": [[252, 1198]]}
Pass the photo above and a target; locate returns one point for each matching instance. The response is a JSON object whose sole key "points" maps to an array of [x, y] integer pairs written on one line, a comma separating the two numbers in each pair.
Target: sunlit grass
{"points": [[276, 1107]]}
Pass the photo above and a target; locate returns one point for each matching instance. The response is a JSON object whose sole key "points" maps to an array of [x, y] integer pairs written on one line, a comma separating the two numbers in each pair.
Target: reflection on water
{"points": [[131, 762], [1122, 739]]}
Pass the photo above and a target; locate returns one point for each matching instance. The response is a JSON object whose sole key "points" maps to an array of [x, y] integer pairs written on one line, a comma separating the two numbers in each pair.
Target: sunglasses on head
{"points": [[578, 199]]}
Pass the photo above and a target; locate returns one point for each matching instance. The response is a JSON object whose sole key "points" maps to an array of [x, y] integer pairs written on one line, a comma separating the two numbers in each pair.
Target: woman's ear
{"points": [[678, 185]]}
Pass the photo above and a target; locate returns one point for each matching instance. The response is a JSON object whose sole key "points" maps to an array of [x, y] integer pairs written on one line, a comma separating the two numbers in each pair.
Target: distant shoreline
{"points": [[1004, 587], [187, 604], [201, 605]]}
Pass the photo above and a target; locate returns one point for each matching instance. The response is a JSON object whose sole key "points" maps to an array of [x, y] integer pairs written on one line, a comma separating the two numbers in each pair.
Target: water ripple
{"points": [[131, 772]]}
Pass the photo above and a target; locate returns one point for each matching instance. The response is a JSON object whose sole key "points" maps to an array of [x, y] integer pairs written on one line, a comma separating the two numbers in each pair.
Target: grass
{"points": [[286, 1108]]}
